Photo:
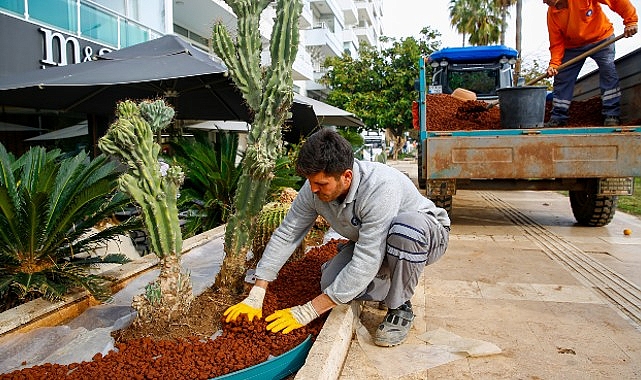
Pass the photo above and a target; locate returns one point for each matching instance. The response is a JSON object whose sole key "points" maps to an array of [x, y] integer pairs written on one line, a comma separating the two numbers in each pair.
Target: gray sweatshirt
{"points": [[377, 194]]}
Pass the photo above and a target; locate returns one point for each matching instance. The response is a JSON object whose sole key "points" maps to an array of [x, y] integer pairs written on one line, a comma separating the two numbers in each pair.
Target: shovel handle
{"points": [[577, 58]]}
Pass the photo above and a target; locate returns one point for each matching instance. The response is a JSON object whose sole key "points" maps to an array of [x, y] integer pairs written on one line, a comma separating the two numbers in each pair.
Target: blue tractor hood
{"points": [[470, 54]]}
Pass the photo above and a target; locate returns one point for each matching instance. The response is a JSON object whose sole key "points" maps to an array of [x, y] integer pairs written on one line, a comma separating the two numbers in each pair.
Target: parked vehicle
{"points": [[595, 164], [480, 69]]}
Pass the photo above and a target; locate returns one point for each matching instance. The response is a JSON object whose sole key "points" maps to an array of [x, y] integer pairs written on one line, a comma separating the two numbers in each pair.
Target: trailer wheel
{"points": [[422, 182], [444, 202], [592, 210]]}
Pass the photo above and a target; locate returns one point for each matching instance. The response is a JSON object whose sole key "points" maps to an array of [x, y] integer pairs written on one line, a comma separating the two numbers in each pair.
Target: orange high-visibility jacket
{"points": [[583, 22]]}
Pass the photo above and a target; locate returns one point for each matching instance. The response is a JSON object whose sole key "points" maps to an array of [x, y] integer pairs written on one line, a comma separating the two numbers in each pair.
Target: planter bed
{"points": [[205, 358]]}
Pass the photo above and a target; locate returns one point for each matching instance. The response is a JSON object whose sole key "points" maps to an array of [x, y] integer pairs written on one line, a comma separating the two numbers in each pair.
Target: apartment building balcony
{"points": [[302, 68], [314, 88], [350, 12], [199, 16], [306, 16], [366, 35], [328, 42], [328, 7], [84, 19], [351, 42], [365, 12]]}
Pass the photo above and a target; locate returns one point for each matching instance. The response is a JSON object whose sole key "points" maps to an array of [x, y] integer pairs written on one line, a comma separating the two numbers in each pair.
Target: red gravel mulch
{"points": [[241, 345]]}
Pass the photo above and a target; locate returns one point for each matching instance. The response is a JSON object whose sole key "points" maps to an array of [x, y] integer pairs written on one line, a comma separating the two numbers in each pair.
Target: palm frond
{"points": [[7, 179], [112, 258], [9, 224], [25, 283]]}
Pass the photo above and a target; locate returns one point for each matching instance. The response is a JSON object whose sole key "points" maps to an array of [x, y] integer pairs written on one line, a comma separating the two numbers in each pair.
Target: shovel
{"points": [[566, 64]]}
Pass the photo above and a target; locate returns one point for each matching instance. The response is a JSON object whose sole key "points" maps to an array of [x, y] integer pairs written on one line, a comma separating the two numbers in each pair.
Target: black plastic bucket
{"points": [[522, 107]]}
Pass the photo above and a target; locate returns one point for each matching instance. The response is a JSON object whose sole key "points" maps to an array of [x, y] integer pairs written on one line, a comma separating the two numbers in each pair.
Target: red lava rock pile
{"points": [[446, 113], [241, 345]]}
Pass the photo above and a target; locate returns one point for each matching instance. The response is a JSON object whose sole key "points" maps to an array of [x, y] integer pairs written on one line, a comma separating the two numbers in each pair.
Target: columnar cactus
{"points": [[268, 94], [131, 138]]}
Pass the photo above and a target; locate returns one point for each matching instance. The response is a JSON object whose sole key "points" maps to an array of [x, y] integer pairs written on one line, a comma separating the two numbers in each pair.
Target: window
{"points": [[59, 13], [15, 6], [98, 25], [132, 34]]}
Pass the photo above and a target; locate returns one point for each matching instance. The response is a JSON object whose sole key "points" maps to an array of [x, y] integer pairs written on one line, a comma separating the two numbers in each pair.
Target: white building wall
{"points": [[328, 28]]}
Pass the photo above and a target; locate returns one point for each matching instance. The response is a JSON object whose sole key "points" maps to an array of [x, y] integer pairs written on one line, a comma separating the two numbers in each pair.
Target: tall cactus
{"points": [[131, 138], [268, 94]]}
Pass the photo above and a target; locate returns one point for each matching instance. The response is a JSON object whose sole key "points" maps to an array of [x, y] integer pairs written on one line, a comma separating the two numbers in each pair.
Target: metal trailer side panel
{"points": [[533, 156]]}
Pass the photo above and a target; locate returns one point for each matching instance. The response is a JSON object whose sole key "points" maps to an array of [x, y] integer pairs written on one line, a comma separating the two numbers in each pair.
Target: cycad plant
{"points": [[48, 206], [211, 175]]}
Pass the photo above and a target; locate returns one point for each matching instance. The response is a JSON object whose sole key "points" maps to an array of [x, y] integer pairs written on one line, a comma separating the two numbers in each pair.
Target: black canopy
{"points": [[197, 86], [168, 67]]}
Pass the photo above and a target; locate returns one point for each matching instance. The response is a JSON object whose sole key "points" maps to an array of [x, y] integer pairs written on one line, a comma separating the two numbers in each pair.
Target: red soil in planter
{"points": [[241, 345]]}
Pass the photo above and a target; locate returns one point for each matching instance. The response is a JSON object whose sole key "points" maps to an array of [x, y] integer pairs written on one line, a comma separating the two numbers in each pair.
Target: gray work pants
{"points": [[565, 81], [414, 240]]}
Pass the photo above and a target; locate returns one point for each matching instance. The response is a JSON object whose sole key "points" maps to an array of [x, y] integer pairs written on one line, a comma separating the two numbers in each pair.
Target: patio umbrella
{"points": [[197, 86], [330, 115], [10, 127], [79, 129]]}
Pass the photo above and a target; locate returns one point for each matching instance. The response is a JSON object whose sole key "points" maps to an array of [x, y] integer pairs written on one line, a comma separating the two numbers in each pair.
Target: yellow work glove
{"points": [[292, 318], [252, 306]]}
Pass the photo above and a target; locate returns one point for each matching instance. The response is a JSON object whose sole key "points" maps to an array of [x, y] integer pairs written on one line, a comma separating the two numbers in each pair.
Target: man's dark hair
{"points": [[325, 151]]}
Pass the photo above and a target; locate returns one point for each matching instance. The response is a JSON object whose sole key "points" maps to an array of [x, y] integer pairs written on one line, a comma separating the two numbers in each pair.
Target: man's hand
{"points": [[252, 306], [290, 319], [631, 30], [552, 71]]}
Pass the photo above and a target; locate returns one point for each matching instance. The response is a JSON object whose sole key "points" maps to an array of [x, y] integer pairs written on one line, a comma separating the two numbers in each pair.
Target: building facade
{"points": [[40, 34], [46, 33]]}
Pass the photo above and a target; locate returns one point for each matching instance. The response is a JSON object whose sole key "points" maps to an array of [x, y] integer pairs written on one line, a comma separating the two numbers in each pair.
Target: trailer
{"points": [[594, 164]]}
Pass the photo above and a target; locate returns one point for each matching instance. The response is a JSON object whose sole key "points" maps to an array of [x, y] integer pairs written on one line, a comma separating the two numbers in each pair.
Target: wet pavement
{"points": [[560, 301]]}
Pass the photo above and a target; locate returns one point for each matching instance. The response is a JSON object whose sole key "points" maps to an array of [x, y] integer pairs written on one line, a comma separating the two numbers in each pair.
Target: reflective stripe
{"points": [[412, 257], [408, 232], [611, 94], [560, 103], [407, 243]]}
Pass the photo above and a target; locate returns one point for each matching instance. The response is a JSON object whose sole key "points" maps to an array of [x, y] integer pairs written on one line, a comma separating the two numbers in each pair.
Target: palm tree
{"points": [[479, 19], [49, 204], [519, 26], [501, 7], [476, 18], [461, 14]]}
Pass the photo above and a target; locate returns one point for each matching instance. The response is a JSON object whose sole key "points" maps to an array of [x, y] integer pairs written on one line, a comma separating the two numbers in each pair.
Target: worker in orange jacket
{"points": [[575, 27]]}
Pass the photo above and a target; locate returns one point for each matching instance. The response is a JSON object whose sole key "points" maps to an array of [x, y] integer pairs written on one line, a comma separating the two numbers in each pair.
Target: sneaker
{"points": [[553, 123], [395, 327], [611, 121]]}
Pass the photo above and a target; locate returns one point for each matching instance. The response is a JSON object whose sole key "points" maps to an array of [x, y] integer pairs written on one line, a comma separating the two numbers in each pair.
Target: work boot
{"points": [[553, 123], [395, 326], [611, 121]]}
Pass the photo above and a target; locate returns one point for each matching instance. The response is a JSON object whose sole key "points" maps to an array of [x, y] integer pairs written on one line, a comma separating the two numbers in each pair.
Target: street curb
{"points": [[328, 353]]}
